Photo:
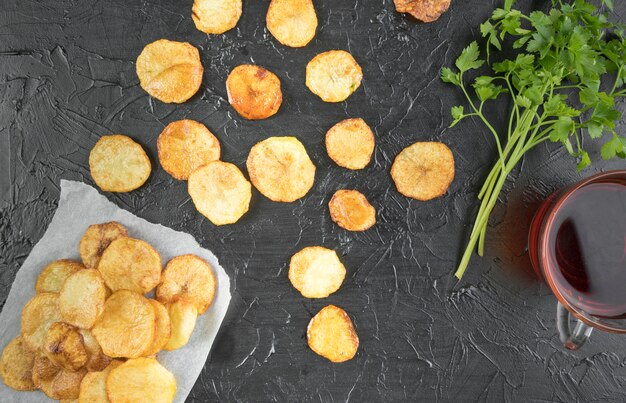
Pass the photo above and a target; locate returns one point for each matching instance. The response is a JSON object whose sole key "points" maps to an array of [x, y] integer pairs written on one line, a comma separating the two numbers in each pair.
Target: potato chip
{"points": [[64, 346], [38, 315], [53, 276], [130, 264], [141, 380], [170, 71], [126, 328], [333, 75], [187, 277], [58, 383], [163, 328], [96, 239], [351, 211], [423, 10], [330, 334], [82, 297], [183, 315], [254, 92], [220, 192], [93, 385], [292, 22], [184, 146], [423, 171], [316, 272], [16, 365], [280, 168], [118, 164], [44, 368], [216, 16], [350, 143], [96, 359]]}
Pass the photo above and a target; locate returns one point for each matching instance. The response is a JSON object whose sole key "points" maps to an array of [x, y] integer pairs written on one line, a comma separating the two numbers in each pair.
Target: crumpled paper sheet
{"points": [[81, 205]]}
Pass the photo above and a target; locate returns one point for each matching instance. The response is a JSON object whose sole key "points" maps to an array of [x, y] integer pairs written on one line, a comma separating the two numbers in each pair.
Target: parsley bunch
{"points": [[567, 73]]}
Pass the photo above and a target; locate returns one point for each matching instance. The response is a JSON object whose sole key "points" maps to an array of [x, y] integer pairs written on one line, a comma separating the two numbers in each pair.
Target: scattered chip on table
{"points": [[96, 239], [351, 211], [423, 10], [331, 334], [53, 276], [16, 365], [292, 22], [64, 346], [254, 92], [350, 143], [333, 75], [316, 272], [216, 16], [118, 164], [37, 316]]}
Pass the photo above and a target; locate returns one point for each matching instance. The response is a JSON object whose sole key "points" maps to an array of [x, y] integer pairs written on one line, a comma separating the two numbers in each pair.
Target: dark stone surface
{"points": [[67, 76]]}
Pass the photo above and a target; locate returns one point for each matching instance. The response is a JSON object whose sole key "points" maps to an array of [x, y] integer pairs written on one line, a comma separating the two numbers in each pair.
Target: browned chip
{"points": [[351, 210], [16, 365], [56, 382], [64, 346], [331, 334], [423, 171], [216, 16], [170, 71], [254, 92], [333, 75], [118, 164], [96, 360], [81, 300], [184, 146], [220, 192], [96, 239], [280, 168], [292, 22], [316, 272], [126, 328], [190, 278], [423, 10], [93, 386], [53, 276], [38, 315], [141, 380], [350, 143], [163, 328], [130, 264]]}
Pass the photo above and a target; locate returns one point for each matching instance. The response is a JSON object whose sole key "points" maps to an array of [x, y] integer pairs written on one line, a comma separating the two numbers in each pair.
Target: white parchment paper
{"points": [[81, 205]]}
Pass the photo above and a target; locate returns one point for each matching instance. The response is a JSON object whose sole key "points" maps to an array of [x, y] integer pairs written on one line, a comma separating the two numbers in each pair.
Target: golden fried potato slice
{"points": [[350, 143], [96, 360], [187, 277], [163, 328], [93, 386], [82, 297], [330, 334], [423, 10], [292, 22], [316, 272], [118, 164], [333, 75], [351, 210], [423, 170], [16, 365], [183, 315], [220, 192], [56, 382], [96, 239], [170, 71], [141, 380], [126, 328], [43, 368], [53, 276], [216, 16], [254, 92], [64, 346], [37, 316], [280, 168], [130, 264], [184, 146]]}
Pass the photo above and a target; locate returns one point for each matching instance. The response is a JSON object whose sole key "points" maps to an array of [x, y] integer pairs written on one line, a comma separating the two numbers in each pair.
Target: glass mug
{"points": [[577, 244]]}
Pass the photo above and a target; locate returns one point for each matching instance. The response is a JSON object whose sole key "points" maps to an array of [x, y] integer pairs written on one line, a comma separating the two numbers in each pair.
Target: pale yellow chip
{"points": [[56, 382], [330, 334], [316, 272], [333, 75], [64, 346], [220, 192], [82, 297], [141, 380], [280, 168], [126, 328], [292, 22], [118, 164], [130, 264], [254, 92], [350, 143], [93, 386], [185, 145], [183, 315], [96, 359], [53, 276], [96, 239], [16, 365], [423, 10], [37, 316], [216, 16], [170, 71], [351, 211], [423, 170], [163, 328]]}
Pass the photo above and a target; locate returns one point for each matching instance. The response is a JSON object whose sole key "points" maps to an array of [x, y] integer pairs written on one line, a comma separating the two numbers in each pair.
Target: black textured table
{"points": [[67, 77]]}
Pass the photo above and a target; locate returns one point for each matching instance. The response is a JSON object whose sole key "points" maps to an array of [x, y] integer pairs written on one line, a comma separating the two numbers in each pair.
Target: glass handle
{"points": [[571, 339]]}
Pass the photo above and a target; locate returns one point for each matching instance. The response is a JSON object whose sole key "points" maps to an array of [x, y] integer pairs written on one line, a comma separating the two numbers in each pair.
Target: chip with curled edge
{"points": [[423, 10]]}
